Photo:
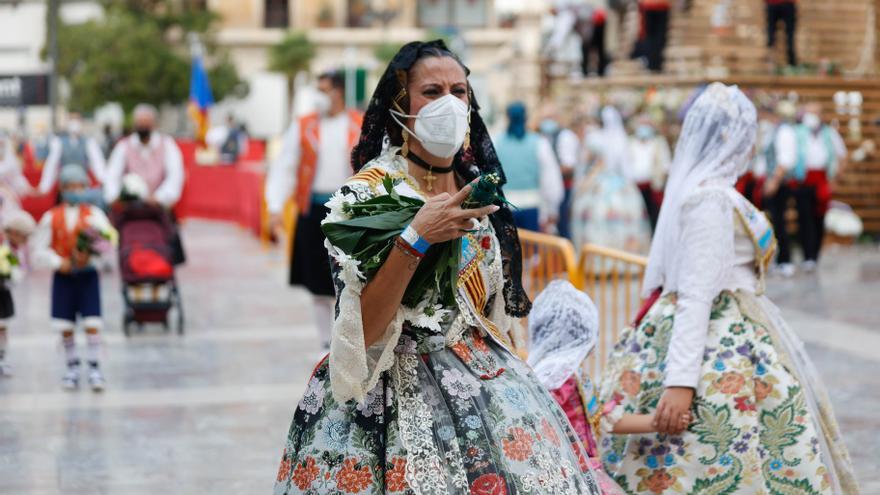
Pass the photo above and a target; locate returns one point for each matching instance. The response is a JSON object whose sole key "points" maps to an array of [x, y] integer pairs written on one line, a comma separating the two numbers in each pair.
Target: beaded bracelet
{"points": [[404, 247]]}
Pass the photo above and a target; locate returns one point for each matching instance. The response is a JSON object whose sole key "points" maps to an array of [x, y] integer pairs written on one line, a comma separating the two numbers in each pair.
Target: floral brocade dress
{"points": [[438, 405], [763, 423]]}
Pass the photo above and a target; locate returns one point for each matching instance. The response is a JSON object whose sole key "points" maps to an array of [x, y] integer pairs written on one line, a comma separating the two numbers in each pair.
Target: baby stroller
{"points": [[149, 287]]}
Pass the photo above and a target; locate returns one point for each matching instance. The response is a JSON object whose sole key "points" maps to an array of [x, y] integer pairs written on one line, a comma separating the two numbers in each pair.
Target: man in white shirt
{"points": [[809, 155], [150, 154], [649, 165], [72, 148], [153, 156], [568, 150], [313, 163]]}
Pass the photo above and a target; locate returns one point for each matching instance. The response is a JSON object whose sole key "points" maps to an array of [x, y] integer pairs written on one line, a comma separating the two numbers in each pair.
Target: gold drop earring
{"points": [[404, 150], [467, 136]]}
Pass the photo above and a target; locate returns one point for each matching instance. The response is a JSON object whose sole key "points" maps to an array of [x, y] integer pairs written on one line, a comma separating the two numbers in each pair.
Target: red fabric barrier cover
{"points": [[224, 192]]}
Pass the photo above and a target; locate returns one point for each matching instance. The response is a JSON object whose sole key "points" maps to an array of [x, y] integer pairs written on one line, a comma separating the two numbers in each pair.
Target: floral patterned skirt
{"points": [[609, 210], [470, 418], [753, 431]]}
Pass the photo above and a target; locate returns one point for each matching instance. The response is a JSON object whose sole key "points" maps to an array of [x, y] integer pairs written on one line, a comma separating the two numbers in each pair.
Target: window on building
{"points": [[453, 13], [276, 14], [359, 14]]}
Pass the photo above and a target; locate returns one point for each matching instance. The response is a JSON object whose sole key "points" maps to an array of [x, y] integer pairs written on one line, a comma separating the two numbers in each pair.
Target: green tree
{"points": [[385, 52], [138, 52], [290, 56]]}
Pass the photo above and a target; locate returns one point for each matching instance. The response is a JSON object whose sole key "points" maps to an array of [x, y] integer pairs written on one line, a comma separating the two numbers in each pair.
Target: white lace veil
{"points": [[563, 327], [715, 145]]}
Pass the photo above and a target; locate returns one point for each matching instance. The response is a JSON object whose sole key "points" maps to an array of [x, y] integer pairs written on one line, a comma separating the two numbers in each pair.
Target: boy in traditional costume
{"points": [[67, 240]]}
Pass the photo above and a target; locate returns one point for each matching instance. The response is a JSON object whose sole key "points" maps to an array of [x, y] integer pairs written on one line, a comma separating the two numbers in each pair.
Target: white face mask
{"points": [[322, 103], [440, 125], [74, 127], [812, 121]]}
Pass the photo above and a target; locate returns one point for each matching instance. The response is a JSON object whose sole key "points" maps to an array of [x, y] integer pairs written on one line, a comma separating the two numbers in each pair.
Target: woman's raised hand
{"points": [[442, 218]]}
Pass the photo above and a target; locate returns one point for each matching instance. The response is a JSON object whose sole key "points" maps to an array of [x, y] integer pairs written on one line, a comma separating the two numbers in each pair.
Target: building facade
{"points": [[498, 39]]}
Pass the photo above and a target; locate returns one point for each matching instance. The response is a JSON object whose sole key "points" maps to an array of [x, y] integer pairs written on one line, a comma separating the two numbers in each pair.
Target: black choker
{"points": [[427, 166]]}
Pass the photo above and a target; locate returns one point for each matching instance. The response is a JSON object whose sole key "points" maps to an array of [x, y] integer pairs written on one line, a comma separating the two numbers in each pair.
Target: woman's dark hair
{"points": [[469, 163]]}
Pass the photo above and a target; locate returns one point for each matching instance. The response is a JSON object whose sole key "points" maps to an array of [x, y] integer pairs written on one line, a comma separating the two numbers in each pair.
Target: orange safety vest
{"points": [[63, 239], [309, 139]]}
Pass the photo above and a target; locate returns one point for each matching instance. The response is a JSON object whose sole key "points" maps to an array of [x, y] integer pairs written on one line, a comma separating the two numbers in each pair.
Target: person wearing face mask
{"points": [[608, 209], [434, 384], [534, 181], [76, 283], [751, 184], [150, 154], [649, 164], [568, 151], [809, 155], [312, 164], [72, 147], [156, 158]]}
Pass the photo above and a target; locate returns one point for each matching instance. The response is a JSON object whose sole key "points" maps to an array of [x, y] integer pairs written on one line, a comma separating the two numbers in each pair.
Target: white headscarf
{"points": [[563, 327], [611, 142], [715, 146]]}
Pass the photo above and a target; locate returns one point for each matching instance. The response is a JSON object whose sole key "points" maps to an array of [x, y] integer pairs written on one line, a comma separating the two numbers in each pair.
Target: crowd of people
{"points": [[602, 179], [89, 185], [422, 390], [581, 34]]}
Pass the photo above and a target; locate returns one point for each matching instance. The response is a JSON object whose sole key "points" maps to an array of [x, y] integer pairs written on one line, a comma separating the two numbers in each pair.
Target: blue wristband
{"points": [[413, 238]]}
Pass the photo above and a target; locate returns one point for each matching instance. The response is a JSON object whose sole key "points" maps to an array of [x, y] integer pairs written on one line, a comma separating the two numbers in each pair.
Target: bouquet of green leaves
{"points": [[368, 237]]}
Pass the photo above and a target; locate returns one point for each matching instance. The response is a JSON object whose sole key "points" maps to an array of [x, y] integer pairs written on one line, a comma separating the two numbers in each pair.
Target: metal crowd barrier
{"points": [[611, 277]]}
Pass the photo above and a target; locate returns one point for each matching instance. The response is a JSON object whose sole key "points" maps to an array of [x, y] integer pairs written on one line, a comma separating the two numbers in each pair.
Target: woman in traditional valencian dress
{"points": [[714, 343], [608, 209], [429, 399]]}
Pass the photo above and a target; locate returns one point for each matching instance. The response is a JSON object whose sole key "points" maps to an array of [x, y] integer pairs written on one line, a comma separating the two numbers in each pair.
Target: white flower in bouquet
{"points": [[135, 187], [428, 316], [337, 205], [8, 260]]}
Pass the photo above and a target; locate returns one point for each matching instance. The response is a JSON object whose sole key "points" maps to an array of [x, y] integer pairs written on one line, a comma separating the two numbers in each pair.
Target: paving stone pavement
{"points": [[208, 412]]}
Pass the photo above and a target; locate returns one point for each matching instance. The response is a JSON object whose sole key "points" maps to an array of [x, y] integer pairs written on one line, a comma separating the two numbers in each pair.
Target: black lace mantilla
{"points": [[379, 129]]}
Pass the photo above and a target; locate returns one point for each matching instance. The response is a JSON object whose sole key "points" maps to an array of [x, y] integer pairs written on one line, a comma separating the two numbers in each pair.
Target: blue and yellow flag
{"points": [[200, 98]]}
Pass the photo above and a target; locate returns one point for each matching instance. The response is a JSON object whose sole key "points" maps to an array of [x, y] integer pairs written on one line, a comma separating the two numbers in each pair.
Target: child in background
{"points": [[18, 225], [563, 328], [68, 240]]}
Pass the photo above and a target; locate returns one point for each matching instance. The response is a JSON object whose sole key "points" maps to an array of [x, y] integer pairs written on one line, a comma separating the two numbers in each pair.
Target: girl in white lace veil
{"points": [[716, 141], [563, 328]]}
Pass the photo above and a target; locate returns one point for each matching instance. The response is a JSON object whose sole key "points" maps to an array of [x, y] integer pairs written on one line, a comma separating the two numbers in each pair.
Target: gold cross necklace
{"points": [[429, 177]]}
